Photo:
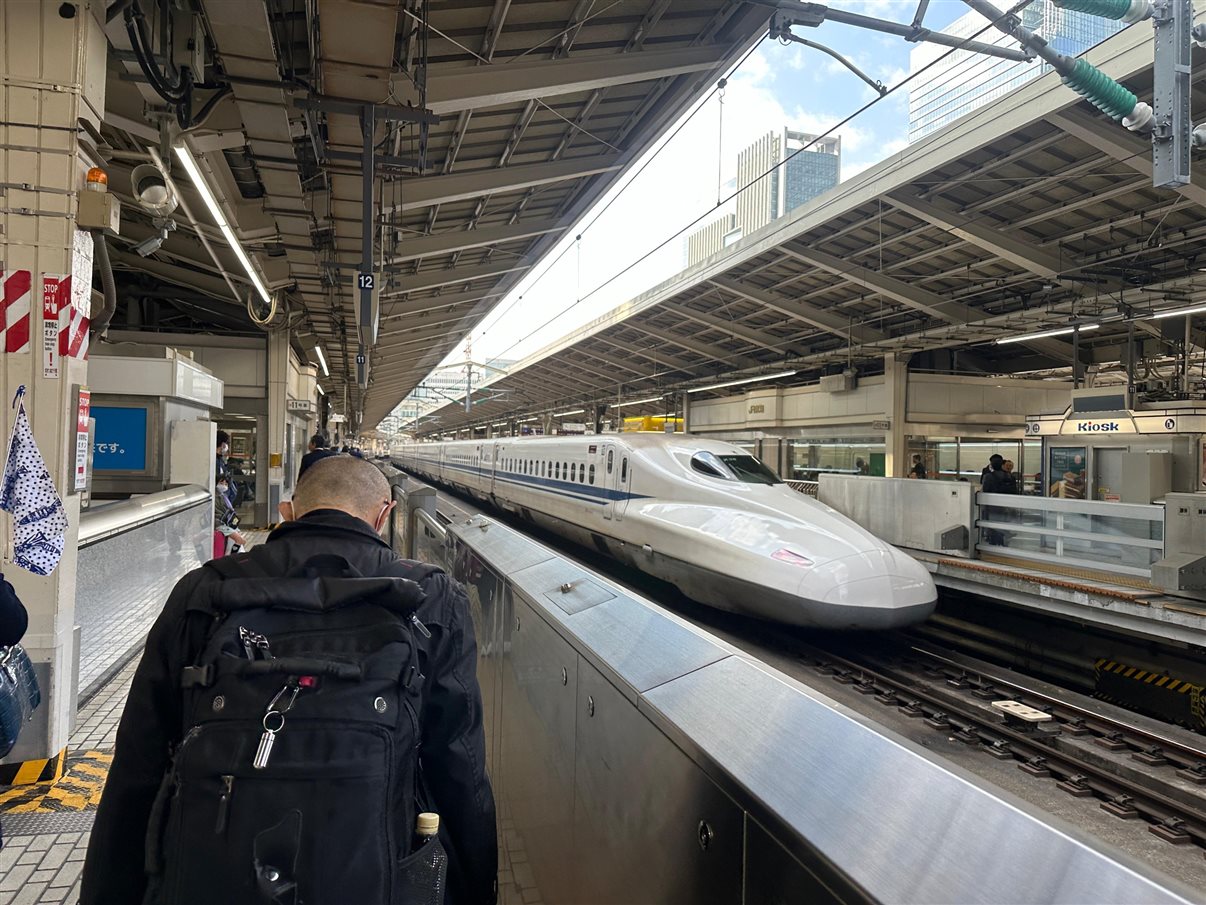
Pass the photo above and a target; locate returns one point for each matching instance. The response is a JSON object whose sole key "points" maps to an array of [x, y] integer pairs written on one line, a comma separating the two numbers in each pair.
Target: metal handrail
{"points": [[97, 525], [1064, 544], [1143, 512]]}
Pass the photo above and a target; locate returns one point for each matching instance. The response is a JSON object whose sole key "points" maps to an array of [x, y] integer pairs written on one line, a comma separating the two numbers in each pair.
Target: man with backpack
{"points": [[295, 709]]}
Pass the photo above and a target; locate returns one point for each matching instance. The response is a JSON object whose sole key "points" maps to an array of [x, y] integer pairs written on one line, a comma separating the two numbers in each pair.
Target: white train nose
{"points": [[879, 588]]}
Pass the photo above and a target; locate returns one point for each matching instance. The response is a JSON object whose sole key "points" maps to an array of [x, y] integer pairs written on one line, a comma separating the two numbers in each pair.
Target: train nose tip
{"points": [[881, 589]]}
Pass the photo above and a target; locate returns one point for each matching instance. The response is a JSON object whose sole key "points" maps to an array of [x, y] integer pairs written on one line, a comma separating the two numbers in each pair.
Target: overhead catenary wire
{"points": [[612, 200], [1011, 11]]}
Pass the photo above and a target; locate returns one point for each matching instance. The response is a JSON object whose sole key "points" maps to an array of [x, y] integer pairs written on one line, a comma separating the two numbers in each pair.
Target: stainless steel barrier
{"points": [[1118, 538], [641, 760], [935, 516], [131, 554]]}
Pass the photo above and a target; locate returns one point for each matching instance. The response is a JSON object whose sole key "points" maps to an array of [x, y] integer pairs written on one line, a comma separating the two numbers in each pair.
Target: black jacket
{"points": [[13, 618], [453, 746], [998, 480]]}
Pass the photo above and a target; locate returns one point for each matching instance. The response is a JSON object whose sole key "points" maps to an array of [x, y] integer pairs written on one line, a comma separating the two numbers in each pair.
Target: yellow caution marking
{"points": [[1130, 672], [79, 788], [1163, 680]]}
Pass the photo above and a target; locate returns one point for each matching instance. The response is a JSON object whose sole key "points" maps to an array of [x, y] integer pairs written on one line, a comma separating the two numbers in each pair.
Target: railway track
{"points": [[1136, 770]]}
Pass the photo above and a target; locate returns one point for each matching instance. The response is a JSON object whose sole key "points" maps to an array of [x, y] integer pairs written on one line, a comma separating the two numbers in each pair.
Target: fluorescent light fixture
{"points": [[571, 412], [620, 405], [321, 391], [733, 383], [322, 360], [1062, 331], [527, 420], [194, 173], [1180, 312]]}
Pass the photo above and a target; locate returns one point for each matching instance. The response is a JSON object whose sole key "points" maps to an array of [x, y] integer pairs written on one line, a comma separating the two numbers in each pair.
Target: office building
{"points": [[777, 173], [959, 82]]}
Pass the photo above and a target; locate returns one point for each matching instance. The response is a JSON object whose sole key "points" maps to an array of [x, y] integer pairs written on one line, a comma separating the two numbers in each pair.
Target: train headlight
{"points": [[791, 557]]}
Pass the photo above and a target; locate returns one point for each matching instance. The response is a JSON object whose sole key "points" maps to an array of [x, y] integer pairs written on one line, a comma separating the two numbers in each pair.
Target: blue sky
{"points": [[778, 86]]}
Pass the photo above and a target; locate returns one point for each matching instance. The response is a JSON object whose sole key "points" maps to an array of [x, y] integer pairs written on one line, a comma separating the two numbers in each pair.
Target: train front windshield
{"points": [[750, 470], [742, 468]]}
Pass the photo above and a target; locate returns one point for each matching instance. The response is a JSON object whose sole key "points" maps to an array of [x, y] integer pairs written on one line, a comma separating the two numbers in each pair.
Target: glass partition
{"points": [[810, 458]]}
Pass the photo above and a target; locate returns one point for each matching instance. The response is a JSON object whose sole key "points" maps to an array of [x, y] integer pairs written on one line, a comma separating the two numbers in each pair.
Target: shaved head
{"points": [[346, 483]]}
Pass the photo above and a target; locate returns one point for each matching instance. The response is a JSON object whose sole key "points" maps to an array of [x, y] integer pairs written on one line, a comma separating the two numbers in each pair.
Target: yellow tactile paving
{"points": [[79, 789]]}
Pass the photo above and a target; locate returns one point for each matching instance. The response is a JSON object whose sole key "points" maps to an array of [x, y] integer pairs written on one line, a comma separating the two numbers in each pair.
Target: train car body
{"points": [[701, 514]]}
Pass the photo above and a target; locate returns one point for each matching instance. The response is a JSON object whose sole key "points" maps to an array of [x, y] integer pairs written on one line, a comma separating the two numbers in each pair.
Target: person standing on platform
{"points": [[860, 467], [1010, 483], [244, 807], [14, 620], [221, 470], [918, 470], [226, 522], [318, 450], [995, 480]]}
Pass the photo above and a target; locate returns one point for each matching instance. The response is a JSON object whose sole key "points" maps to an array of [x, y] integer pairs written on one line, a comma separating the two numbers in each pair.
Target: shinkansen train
{"points": [[701, 514]]}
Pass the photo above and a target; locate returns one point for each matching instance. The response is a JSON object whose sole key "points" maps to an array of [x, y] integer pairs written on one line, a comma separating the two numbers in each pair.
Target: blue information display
{"points": [[120, 443]]}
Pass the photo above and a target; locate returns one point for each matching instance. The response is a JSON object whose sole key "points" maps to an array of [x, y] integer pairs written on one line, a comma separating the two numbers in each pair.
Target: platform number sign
{"points": [[365, 281], [360, 359]]}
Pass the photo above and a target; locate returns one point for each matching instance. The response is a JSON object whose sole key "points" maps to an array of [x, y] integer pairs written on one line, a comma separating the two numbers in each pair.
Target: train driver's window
{"points": [[610, 454], [592, 472], [711, 465], [624, 469]]}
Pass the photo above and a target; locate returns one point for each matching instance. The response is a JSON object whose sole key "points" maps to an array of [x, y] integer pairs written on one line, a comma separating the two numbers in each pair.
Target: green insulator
{"points": [[1107, 9], [1100, 90]]}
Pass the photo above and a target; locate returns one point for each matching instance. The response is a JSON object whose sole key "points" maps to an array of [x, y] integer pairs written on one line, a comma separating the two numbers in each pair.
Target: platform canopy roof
{"points": [[1033, 213], [541, 107]]}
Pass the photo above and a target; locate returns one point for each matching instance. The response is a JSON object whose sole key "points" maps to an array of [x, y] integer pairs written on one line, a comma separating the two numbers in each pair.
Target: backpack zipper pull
{"points": [[224, 803], [419, 626]]}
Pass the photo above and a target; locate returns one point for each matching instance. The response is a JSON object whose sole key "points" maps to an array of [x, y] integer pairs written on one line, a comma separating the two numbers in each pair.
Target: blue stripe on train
{"points": [[583, 492]]}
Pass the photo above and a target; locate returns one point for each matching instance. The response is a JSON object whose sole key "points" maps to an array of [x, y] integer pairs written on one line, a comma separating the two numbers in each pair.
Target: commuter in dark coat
{"points": [[318, 450], [995, 480], [340, 507], [13, 623], [13, 618]]}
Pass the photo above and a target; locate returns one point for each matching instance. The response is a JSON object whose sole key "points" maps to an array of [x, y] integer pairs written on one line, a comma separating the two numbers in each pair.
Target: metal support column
{"points": [[1172, 140]]}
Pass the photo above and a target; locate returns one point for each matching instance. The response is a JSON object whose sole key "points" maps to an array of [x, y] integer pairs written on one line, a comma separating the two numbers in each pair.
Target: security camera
{"points": [[152, 191], [151, 244]]}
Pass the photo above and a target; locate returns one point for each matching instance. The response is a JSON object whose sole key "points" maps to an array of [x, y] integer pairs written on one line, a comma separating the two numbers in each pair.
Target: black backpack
{"points": [[296, 781]]}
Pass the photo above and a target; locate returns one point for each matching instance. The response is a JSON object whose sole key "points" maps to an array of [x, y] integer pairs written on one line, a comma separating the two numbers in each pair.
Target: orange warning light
{"points": [[97, 179]]}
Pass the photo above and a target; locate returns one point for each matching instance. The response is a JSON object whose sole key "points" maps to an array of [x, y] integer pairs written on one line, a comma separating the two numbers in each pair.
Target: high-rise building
{"points": [[961, 81], [776, 174], [710, 238]]}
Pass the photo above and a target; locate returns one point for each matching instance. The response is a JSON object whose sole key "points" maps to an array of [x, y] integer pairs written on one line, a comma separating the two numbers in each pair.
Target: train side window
{"points": [[610, 454], [624, 469], [574, 471], [582, 474], [592, 472], [565, 470], [556, 470]]}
